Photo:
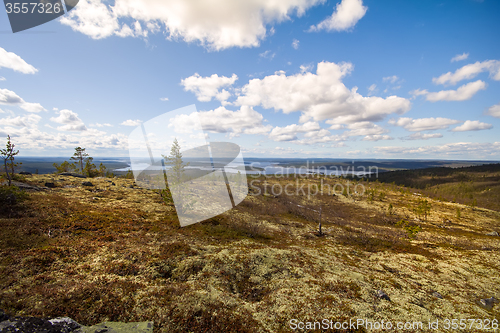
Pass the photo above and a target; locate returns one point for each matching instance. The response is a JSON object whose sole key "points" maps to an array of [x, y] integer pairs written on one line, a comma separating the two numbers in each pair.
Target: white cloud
{"points": [[377, 137], [295, 44], [164, 99], [391, 79], [267, 55], [470, 71], [207, 87], [344, 17], [101, 125], [319, 96], [2, 78], [24, 121], [372, 89], [460, 57], [423, 124], [15, 62], [423, 136], [69, 120], [289, 133], [463, 93], [243, 121], [130, 122], [216, 24], [472, 125], [494, 110], [9, 97], [364, 128]]}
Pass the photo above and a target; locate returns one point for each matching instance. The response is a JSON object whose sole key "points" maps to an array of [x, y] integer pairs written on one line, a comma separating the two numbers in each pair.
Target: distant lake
{"points": [[267, 166]]}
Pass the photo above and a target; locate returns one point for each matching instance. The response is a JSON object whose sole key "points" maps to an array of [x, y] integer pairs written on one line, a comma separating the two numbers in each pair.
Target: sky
{"points": [[283, 78]]}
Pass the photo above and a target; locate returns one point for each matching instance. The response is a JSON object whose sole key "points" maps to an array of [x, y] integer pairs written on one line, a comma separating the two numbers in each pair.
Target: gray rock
{"points": [[437, 295], [87, 184], [26, 173], [50, 185], [488, 303], [381, 294], [493, 233]]}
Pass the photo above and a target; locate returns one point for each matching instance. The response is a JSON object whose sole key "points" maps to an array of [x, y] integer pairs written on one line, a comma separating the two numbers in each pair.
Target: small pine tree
{"points": [[176, 172], [7, 155], [80, 156]]}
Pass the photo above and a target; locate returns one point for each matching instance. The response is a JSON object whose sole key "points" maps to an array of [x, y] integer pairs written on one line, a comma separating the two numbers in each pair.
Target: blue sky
{"points": [[285, 78]]}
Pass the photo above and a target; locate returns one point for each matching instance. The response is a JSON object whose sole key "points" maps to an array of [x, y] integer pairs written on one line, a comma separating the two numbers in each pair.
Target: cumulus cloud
{"points": [[289, 133], [423, 124], [460, 57], [243, 121], [164, 99], [494, 110], [24, 121], [463, 93], [295, 44], [472, 125], [15, 62], [320, 96], [377, 137], [365, 128], [2, 78], [130, 122], [8, 97], [345, 16], [217, 24], [69, 120], [470, 71], [423, 136], [207, 87]]}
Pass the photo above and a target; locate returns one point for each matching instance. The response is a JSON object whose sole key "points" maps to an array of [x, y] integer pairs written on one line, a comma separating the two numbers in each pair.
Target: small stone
{"points": [[493, 233], [488, 303], [87, 184], [381, 294], [437, 295], [50, 185]]}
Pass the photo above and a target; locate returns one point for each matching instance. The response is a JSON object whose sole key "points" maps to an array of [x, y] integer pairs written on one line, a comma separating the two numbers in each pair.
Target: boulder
{"points": [[381, 294], [488, 303], [68, 325], [25, 173], [87, 184], [50, 185], [437, 295], [493, 233]]}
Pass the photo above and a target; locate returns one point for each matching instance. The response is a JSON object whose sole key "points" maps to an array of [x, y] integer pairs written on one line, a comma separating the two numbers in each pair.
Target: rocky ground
{"points": [[111, 251]]}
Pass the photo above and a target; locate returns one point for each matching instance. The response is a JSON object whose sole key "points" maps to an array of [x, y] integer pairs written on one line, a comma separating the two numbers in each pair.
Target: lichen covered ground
{"points": [[116, 252]]}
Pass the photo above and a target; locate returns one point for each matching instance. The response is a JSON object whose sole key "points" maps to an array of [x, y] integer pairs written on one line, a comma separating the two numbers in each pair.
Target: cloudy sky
{"points": [[282, 78]]}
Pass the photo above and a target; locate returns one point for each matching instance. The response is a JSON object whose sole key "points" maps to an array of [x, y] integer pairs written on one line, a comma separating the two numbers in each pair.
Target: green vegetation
{"points": [[476, 186]]}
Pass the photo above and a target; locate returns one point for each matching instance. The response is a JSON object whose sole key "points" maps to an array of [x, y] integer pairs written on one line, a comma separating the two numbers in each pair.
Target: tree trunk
{"points": [[7, 172]]}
